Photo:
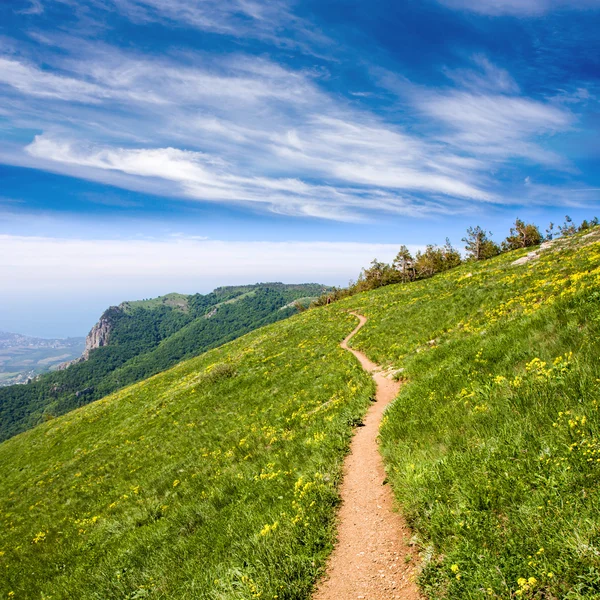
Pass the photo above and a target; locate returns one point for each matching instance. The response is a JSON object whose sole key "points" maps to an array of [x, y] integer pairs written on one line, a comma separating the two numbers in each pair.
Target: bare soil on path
{"points": [[372, 559]]}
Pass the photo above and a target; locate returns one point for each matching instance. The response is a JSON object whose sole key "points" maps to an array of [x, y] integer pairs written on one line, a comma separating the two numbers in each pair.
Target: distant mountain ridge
{"points": [[8, 340], [100, 332], [137, 339]]}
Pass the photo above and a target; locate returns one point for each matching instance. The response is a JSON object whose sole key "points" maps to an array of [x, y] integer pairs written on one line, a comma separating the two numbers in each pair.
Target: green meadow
{"points": [[493, 445], [215, 479], [218, 478]]}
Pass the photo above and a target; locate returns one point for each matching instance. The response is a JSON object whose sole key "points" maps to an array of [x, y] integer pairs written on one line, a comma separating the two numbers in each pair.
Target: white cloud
{"points": [[484, 76], [514, 115], [112, 76], [244, 129], [565, 195], [222, 16], [376, 155], [199, 176], [483, 121], [272, 22], [35, 8], [497, 125], [520, 7], [31, 80], [203, 177]]}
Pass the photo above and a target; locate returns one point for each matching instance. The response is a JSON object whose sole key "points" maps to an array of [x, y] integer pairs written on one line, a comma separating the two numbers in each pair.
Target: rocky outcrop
{"points": [[98, 336], [525, 259], [535, 254]]}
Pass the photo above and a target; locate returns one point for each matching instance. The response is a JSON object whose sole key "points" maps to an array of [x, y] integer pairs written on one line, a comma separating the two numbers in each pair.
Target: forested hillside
{"points": [[146, 337]]}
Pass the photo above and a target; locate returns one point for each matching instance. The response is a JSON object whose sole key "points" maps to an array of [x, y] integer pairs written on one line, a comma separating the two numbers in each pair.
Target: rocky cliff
{"points": [[98, 336]]}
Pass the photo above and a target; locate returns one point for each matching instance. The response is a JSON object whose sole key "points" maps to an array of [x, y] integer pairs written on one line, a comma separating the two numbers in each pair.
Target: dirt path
{"points": [[372, 558]]}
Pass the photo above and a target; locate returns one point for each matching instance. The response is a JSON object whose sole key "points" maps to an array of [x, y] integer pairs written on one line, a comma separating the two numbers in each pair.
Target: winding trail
{"points": [[372, 558]]}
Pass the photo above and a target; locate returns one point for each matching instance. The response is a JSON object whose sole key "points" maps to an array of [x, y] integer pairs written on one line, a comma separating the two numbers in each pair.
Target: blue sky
{"points": [[148, 146]]}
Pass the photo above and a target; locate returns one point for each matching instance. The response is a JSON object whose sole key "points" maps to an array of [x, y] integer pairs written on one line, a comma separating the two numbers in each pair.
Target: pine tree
{"points": [[452, 257], [404, 263], [568, 227], [478, 245]]}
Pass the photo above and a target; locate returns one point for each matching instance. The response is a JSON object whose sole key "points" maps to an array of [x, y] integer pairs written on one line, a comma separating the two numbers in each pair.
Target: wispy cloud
{"points": [[373, 154], [243, 129], [253, 131], [483, 75], [520, 7], [275, 23], [201, 177], [35, 8], [563, 195], [497, 125], [485, 117], [113, 76], [223, 16], [33, 81]]}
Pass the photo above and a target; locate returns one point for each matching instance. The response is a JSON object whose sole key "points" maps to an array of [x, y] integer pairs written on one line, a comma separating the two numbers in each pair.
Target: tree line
{"points": [[479, 245]]}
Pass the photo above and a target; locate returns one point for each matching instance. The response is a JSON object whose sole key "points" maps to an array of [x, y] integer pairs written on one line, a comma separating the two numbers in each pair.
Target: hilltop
{"points": [[219, 477], [140, 338]]}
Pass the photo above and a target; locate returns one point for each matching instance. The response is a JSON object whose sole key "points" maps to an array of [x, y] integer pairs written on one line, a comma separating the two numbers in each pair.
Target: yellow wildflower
{"points": [[267, 529], [40, 537]]}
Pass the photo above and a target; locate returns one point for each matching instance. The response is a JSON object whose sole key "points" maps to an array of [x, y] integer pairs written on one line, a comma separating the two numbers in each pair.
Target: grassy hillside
{"points": [[216, 479], [493, 446], [147, 337], [212, 480]]}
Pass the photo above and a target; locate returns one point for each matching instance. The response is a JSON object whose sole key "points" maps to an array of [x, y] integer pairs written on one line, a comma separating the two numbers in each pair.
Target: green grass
{"points": [[146, 338], [215, 479], [493, 445], [174, 299]]}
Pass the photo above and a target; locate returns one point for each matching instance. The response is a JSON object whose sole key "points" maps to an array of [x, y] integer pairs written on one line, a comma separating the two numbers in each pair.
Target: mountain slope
{"points": [[216, 479], [138, 339], [493, 445]]}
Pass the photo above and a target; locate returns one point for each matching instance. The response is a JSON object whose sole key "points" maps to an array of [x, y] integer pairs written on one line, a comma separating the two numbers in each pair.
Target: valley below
{"points": [[24, 357]]}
